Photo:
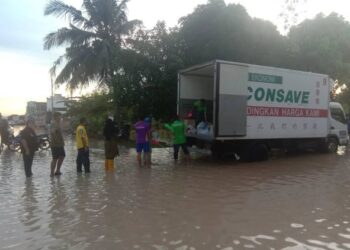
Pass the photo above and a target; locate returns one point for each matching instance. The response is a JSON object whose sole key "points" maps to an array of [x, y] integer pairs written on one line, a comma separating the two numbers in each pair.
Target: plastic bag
{"points": [[203, 128]]}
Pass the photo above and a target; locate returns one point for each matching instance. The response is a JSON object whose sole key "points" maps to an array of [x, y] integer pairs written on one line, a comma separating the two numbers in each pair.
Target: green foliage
{"points": [[227, 32], [94, 38], [322, 45], [291, 12], [146, 84], [140, 69], [95, 108]]}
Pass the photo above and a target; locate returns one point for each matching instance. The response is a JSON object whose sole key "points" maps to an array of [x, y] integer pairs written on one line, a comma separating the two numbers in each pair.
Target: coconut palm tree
{"points": [[95, 37]]}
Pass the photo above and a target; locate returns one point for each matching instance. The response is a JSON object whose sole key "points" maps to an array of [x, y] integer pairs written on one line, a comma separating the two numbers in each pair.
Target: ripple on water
{"points": [[206, 204]]}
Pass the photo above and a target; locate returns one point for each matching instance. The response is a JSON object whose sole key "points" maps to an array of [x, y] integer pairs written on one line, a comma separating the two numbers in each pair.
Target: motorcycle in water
{"points": [[14, 142], [44, 141]]}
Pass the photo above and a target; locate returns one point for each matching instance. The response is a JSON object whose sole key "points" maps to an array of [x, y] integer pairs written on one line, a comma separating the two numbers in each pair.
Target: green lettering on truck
{"points": [[289, 97], [255, 77], [250, 90], [280, 95], [297, 95], [270, 95], [259, 94], [305, 98]]}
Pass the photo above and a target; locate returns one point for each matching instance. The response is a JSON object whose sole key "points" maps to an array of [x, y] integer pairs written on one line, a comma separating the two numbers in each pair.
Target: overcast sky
{"points": [[24, 65]]}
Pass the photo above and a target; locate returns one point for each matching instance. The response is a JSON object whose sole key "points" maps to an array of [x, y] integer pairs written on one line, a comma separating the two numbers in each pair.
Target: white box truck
{"points": [[253, 109]]}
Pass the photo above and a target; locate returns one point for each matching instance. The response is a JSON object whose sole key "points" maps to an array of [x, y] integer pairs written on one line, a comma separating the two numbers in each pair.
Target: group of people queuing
{"points": [[143, 128], [29, 145]]}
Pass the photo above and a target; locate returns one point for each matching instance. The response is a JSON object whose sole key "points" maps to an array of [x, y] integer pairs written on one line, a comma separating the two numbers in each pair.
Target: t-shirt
{"points": [[56, 135], [79, 134], [142, 128], [29, 135], [178, 128], [110, 130]]}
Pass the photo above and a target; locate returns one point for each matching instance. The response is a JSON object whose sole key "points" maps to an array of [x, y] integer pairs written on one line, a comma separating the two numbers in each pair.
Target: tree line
{"points": [[136, 69]]}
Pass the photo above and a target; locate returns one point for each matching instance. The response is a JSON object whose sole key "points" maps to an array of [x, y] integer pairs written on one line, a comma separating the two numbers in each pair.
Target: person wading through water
{"points": [[110, 133]]}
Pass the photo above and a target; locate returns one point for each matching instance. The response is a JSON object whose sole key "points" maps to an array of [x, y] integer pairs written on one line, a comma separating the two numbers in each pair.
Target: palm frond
{"points": [[83, 66], [130, 26], [94, 40], [55, 65], [60, 9], [121, 8], [92, 12], [72, 36], [89, 8]]}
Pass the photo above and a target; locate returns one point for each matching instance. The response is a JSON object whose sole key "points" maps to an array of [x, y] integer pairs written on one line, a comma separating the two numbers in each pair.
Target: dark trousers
{"points": [[4, 137], [28, 162], [199, 117], [83, 160], [176, 150]]}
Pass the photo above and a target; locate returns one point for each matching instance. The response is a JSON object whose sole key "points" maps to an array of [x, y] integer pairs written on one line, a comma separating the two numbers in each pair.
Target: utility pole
{"points": [[51, 95]]}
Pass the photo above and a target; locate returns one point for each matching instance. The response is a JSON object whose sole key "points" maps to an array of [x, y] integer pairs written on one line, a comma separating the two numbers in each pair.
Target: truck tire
{"points": [[259, 152], [332, 145], [329, 146]]}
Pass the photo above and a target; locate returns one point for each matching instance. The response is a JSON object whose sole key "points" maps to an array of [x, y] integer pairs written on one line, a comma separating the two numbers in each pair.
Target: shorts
{"points": [[145, 147], [57, 152]]}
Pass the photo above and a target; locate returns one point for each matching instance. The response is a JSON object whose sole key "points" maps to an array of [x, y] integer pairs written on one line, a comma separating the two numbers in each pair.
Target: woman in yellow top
{"points": [[82, 141]]}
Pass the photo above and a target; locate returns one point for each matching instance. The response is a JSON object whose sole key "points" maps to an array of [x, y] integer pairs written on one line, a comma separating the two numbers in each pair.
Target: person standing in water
{"points": [[82, 142], [110, 133], [29, 144], [178, 128], [57, 145], [142, 142]]}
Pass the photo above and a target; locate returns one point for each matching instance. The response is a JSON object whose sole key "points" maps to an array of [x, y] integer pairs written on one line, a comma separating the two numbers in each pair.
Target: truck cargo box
{"points": [[248, 101]]}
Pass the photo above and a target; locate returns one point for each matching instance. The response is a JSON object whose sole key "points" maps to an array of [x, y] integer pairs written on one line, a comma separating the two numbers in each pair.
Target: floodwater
{"points": [[291, 202]]}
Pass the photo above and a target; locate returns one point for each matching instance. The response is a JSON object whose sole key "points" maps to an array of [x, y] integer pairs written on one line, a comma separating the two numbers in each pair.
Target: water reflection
{"points": [[29, 212], [291, 202]]}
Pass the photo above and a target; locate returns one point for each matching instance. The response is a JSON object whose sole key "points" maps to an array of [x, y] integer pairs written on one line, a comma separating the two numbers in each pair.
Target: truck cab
{"points": [[338, 134]]}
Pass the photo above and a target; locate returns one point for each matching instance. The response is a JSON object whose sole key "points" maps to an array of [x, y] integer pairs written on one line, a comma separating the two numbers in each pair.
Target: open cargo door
{"points": [[232, 82]]}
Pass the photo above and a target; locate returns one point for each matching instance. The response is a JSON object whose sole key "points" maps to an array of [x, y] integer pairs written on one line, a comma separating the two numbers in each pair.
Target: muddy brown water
{"points": [[289, 202]]}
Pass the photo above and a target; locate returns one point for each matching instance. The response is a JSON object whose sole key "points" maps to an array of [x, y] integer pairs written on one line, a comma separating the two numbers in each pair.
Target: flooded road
{"points": [[295, 202]]}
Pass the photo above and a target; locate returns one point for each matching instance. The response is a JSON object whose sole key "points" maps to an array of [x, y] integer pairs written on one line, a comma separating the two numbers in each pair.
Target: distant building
{"points": [[16, 119], [59, 104], [37, 110]]}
